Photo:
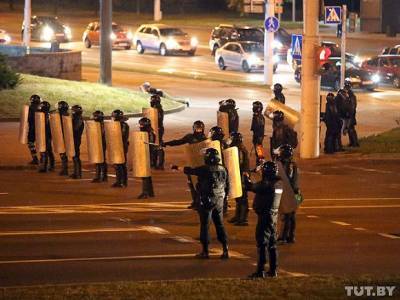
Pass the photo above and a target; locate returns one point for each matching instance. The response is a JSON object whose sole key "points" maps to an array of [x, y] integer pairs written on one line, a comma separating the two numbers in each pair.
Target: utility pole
{"points": [[293, 10], [268, 41], [27, 24], [343, 46], [105, 42], [310, 83], [157, 10]]}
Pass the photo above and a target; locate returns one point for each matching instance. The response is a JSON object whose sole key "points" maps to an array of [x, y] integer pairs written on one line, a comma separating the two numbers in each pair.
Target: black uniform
{"points": [[101, 168], [147, 182], [266, 205], [160, 155], [213, 188], [47, 158], [282, 134], [333, 127], [33, 108], [233, 116], [258, 128], [191, 138], [78, 126], [63, 156], [280, 97], [353, 138]]}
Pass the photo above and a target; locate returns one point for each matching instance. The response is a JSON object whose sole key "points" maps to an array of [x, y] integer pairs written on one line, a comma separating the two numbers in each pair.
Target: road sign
{"points": [[333, 15], [271, 24], [297, 40]]}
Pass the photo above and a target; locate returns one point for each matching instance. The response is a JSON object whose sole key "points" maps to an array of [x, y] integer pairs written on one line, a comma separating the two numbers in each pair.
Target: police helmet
{"points": [[278, 116], [236, 138], [62, 106], [343, 93], [285, 151], [216, 133], [269, 170], [76, 109], [347, 85], [198, 126], [145, 124], [98, 116], [257, 106], [154, 100], [35, 99], [230, 103], [45, 107], [211, 157], [117, 115], [278, 88], [330, 97]]}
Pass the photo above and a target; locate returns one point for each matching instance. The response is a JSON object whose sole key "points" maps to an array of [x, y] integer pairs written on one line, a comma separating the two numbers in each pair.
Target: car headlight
{"points": [[113, 36], [276, 59], [254, 60], [194, 42], [376, 78], [47, 34], [171, 44], [357, 60], [68, 32], [7, 38], [277, 44], [129, 35]]}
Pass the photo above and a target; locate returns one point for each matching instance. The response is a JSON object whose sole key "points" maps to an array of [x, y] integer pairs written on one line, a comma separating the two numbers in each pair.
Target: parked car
{"points": [[47, 29], [164, 39], [119, 36], [247, 56], [330, 75], [386, 67], [391, 50], [4, 37]]}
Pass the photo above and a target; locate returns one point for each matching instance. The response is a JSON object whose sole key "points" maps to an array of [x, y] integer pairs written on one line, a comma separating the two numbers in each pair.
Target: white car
{"points": [[4, 37], [164, 39], [247, 56]]}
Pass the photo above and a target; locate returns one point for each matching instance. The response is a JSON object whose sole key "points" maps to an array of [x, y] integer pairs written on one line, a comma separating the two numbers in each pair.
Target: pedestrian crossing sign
{"points": [[333, 15], [297, 40]]}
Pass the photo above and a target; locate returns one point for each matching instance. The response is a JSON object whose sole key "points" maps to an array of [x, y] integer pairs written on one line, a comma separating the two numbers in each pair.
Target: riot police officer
{"points": [[266, 204], [242, 203], [34, 106], [353, 138], [46, 158], [63, 108], [77, 128], [121, 170], [217, 134], [229, 106], [147, 183], [258, 127], [281, 133], [278, 95], [213, 189], [155, 102], [333, 125], [101, 168], [343, 107], [290, 168]]}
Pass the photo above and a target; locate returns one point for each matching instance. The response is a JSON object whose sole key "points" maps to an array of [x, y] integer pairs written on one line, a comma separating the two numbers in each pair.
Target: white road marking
{"points": [[340, 223], [350, 206], [215, 251], [313, 217], [183, 239], [368, 170], [352, 199], [390, 236], [291, 274], [359, 229], [3, 193]]}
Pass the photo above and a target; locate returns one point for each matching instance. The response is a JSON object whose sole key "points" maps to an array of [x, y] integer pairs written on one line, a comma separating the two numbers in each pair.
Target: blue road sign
{"points": [[333, 15], [271, 24], [297, 40]]}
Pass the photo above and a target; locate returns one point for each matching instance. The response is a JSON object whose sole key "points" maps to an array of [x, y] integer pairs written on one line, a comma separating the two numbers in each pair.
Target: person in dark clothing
{"points": [[155, 102], [77, 126], [258, 128], [46, 158], [34, 106], [353, 138], [331, 118], [281, 133], [242, 203], [278, 95], [121, 170], [192, 138], [266, 204], [147, 183], [291, 170], [63, 108], [213, 189], [344, 108], [101, 168], [146, 87], [229, 106], [217, 134]]}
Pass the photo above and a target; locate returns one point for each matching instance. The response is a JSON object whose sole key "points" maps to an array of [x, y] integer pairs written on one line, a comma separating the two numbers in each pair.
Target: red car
{"points": [[387, 67], [119, 36]]}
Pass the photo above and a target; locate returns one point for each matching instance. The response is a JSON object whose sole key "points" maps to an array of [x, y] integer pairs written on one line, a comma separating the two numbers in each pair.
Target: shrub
{"points": [[8, 78]]}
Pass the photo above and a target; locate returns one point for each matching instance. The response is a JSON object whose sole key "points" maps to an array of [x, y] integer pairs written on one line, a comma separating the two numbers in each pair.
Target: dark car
{"points": [[47, 29], [391, 50], [386, 67], [330, 75]]}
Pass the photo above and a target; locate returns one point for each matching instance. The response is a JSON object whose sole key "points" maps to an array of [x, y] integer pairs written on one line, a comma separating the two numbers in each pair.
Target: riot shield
{"points": [[223, 122], [94, 142], [152, 114], [40, 132], [195, 152], [68, 136], [231, 162], [140, 154], [288, 201], [23, 125], [57, 137], [115, 147], [291, 116]]}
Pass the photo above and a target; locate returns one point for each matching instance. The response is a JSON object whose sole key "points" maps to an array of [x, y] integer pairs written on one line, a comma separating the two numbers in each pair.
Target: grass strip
{"points": [[386, 142]]}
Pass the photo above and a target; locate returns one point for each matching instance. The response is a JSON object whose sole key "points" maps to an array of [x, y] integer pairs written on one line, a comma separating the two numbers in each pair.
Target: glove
{"points": [[163, 144], [186, 170]]}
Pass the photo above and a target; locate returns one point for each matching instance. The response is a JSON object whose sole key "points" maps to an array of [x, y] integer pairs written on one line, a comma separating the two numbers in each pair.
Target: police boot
{"points": [[34, 161], [77, 169], [273, 263], [150, 187], [64, 165], [243, 213], [261, 260], [118, 173], [235, 218], [292, 229], [104, 174], [43, 162], [353, 138], [225, 209], [204, 253], [124, 178], [225, 253], [32, 149], [98, 174], [161, 159]]}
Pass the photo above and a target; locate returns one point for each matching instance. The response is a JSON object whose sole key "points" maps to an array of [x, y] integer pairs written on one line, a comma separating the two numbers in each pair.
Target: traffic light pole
{"points": [[343, 47], [157, 10], [310, 83], [27, 24], [105, 42], [268, 41]]}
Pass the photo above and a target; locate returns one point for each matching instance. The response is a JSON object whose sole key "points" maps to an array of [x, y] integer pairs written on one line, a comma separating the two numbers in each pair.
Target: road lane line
{"points": [[313, 217], [367, 169], [3, 193], [352, 199], [340, 223], [390, 236], [360, 229], [349, 206]]}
